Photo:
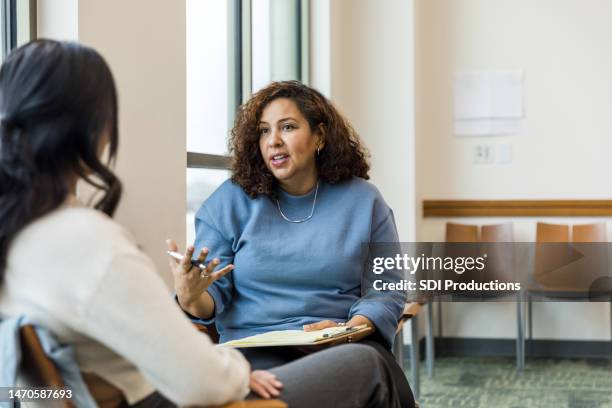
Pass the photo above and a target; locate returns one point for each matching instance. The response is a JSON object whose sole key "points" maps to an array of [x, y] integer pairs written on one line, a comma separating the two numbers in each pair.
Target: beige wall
{"points": [[144, 43], [371, 81], [562, 152], [362, 57]]}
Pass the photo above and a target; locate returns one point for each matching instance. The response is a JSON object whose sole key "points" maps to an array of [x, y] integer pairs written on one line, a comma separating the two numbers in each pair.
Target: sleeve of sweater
{"points": [[131, 312], [382, 308]]}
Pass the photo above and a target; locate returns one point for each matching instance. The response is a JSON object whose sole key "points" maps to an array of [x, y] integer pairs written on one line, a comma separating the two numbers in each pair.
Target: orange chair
{"points": [[554, 280], [500, 266], [457, 233], [40, 371]]}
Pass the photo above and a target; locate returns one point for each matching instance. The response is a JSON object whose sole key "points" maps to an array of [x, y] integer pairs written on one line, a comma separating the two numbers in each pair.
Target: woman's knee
{"points": [[358, 355]]}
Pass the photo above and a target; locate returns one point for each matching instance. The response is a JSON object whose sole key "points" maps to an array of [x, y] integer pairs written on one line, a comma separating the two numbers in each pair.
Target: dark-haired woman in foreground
{"points": [[291, 223], [74, 271]]}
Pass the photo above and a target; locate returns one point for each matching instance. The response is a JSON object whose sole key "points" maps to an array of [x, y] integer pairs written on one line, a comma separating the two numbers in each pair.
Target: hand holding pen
{"points": [[193, 276]]}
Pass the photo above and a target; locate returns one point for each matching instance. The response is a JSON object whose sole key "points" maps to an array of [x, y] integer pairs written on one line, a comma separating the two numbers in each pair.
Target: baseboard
{"points": [[477, 347]]}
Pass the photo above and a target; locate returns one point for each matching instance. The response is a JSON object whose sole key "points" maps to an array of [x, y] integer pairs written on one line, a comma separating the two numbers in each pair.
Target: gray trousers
{"points": [[345, 376]]}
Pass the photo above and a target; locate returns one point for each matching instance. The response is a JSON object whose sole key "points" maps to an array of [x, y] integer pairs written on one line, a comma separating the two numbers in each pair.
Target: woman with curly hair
{"points": [[290, 224]]}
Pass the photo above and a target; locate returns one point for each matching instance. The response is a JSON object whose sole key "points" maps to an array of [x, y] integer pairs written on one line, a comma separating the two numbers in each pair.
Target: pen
{"points": [[345, 330], [179, 257]]}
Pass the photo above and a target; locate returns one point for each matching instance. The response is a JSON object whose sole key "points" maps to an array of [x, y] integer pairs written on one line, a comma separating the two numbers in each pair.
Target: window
{"points": [[18, 19], [234, 48]]}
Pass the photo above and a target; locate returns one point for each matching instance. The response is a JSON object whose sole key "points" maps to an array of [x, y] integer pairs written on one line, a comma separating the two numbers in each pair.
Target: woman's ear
{"points": [[320, 136]]}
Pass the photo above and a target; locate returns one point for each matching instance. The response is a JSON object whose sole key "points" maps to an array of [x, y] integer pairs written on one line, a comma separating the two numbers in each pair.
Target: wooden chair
{"points": [[554, 280], [40, 371], [411, 312], [503, 266], [455, 233]]}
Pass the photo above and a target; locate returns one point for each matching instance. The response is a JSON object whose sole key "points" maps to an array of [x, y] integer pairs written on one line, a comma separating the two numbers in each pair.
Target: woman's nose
{"points": [[275, 139]]}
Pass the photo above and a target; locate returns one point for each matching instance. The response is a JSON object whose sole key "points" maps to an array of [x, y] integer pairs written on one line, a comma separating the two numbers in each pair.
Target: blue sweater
{"points": [[287, 275]]}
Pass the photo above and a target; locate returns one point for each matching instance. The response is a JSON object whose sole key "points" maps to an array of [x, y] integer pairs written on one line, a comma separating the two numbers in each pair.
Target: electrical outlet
{"points": [[483, 154]]}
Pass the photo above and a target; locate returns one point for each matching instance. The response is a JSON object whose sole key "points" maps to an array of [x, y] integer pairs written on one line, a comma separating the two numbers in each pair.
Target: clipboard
{"points": [[298, 338]]}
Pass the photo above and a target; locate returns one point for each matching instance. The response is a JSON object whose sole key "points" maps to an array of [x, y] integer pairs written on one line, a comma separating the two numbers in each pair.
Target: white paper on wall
{"points": [[488, 102]]}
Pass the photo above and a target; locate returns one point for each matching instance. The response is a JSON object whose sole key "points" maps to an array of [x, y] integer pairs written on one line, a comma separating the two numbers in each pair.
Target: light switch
{"points": [[483, 154], [504, 153]]}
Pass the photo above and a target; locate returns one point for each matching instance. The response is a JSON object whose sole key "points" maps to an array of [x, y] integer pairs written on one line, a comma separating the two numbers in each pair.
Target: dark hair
{"points": [[57, 102], [342, 157]]}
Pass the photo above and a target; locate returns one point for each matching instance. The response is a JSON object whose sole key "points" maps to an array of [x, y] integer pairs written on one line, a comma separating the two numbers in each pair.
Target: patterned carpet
{"points": [[494, 383]]}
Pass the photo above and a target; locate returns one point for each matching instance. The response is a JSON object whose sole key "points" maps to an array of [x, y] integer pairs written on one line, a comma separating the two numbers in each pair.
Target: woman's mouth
{"points": [[279, 159]]}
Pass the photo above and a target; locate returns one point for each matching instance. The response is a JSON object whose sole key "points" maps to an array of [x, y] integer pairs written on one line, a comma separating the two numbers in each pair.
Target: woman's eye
{"points": [[263, 131], [288, 127]]}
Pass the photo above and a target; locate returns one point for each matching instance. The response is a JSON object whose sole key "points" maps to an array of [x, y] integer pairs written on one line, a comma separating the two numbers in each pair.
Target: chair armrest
{"points": [[410, 310], [210, 330]]}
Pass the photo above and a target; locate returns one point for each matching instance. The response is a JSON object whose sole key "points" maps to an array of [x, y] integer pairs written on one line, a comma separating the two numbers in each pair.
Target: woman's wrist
{"points": [[189, 304], [200, 307]]}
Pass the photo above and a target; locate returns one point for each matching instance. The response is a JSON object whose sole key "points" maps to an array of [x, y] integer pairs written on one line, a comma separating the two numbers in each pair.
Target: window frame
{"points": [[240, 69], [10, 21]]}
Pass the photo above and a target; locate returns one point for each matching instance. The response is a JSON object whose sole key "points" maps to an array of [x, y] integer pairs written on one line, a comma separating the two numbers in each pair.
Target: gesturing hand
{"points": [[189, 281], [265, 384]]}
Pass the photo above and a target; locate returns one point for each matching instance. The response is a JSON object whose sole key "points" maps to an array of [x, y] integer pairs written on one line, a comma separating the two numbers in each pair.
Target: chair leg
{"points": [[520, 360], [529, 324], [529, 318], [414, 356], [439, 318], [430, 340]]}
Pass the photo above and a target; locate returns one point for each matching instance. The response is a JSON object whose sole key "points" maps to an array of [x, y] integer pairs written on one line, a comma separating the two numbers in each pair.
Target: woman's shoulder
{"points": [[81, 229], [228, 198], [83, 224], [363, 194], [361, 187]]}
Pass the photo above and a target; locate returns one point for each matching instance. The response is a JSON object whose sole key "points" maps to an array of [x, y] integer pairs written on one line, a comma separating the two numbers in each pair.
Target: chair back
{"points": [[461, 232], [589, 232], [567, 271], [500, 263], [552, 232], [38, 369], [590, 240], [497, 233]]}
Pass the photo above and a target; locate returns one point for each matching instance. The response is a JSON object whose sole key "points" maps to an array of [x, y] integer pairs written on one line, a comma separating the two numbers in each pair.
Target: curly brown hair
{"points": [[342, 157]]}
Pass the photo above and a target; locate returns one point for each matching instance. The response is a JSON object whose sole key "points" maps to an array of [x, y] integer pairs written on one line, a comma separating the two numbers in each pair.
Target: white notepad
{"points": [[292, 337]]}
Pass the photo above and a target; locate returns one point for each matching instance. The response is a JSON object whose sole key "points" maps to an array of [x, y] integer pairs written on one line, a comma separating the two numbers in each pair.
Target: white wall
{"points": [[143, 41], [562, 153]]}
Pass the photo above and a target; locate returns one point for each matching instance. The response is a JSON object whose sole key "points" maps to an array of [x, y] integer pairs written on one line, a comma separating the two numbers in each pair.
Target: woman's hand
{"points": [[189, 281], [265, 384], [357, 320]]}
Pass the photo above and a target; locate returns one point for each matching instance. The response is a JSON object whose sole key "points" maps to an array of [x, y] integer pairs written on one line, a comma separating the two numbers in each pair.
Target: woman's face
{"points": [[288, 146]]}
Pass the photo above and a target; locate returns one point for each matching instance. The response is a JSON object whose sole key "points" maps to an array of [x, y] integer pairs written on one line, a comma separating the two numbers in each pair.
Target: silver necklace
{"points": [[314, 203]]}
